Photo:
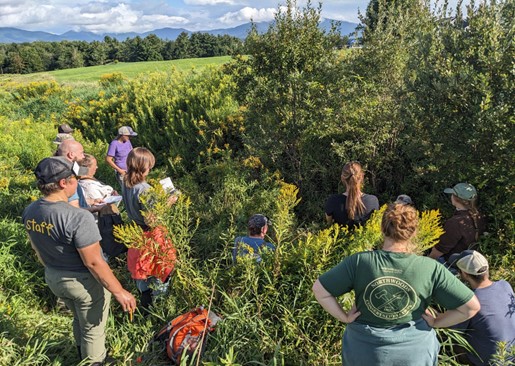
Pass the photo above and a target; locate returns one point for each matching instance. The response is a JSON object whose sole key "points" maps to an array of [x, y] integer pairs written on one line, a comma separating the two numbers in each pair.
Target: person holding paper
{"points": [[95, 191], [139, 163]]}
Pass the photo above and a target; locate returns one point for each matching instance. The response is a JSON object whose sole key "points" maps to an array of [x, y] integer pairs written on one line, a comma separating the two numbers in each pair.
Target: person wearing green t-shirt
{"points": [[390, 323]]}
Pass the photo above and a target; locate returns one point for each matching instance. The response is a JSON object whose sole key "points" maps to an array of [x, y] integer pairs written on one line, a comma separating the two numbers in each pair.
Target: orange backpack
{"points": [[187, 334]]}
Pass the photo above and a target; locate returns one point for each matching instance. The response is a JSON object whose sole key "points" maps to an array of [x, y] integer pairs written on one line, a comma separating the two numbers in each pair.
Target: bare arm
{"points": [[92, 258], [110, 162], [329, 219], [331, 305], [452, 317], [435, 253], [37, 252]]}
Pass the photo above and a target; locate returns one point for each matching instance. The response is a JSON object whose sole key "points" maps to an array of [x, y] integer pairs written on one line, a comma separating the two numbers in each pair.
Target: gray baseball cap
{"points": [[126, 131]]}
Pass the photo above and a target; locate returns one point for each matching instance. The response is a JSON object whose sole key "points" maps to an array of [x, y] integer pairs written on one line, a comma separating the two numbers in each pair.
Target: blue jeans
{"points": [[410, 344], [152, 283]]}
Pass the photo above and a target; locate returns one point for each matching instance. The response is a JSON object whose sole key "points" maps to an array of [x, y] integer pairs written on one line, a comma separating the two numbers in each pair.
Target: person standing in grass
{"points": [[66, 241], [463, 229], [390, 323], [353, 207], [495, 322], [118, 151], [139, 163]]}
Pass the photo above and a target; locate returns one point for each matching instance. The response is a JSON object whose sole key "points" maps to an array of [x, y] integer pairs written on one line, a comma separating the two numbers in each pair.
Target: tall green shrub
{"points": [[286, 85], [459, 105]]}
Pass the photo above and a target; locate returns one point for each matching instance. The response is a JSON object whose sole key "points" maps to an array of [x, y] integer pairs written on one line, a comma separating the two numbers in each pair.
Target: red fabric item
{"points": [[156, 257]]}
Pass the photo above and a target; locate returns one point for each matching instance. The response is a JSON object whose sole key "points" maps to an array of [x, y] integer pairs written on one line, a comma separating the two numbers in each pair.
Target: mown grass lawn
{"points": [[129, 69]]}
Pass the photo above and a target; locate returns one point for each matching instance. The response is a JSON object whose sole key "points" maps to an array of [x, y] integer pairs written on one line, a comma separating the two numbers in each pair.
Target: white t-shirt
{"points": [[94, 189]]}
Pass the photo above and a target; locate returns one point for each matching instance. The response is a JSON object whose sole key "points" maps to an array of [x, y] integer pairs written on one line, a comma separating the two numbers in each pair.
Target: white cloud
{"points": [[98, 17], [246, 14], [151, 22], [59, 16], [210, 2]]}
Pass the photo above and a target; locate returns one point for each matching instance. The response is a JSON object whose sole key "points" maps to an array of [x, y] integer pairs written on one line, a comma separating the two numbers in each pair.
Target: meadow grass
{"points": [[130, 70]]}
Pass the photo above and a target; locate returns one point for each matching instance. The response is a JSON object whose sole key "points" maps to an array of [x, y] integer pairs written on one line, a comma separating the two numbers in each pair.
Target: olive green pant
{"points": [[89, 301]]}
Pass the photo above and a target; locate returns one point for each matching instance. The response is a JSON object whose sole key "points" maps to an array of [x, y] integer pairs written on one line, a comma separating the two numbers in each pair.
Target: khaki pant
{"points": [[89, 302]]}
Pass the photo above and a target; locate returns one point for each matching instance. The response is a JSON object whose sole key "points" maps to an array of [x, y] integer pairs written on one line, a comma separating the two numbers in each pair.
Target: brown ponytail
{"points": [[471, 207], [352, 177]]}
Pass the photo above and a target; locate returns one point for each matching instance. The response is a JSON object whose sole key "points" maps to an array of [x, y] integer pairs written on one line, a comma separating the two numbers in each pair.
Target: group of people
{"points": [[66, 238], [392, 320]]}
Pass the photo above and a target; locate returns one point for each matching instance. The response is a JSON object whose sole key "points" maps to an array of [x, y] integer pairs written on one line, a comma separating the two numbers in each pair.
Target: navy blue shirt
{"points": [[494, 322], [243, 245]]}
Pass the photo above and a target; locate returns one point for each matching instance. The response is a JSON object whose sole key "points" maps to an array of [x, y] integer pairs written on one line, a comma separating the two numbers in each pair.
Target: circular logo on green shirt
{"points": [[389, 298]]}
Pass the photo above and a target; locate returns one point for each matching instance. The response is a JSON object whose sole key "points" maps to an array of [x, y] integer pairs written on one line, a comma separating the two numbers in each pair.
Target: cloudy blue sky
{"points": [[99, 16]]}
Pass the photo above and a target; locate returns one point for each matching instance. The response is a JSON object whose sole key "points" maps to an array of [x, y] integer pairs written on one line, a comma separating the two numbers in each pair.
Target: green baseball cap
{"points": [[465, 191]]}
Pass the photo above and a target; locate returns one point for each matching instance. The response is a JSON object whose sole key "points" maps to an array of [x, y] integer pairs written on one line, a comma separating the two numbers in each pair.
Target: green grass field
{"points": [[129, 69]]}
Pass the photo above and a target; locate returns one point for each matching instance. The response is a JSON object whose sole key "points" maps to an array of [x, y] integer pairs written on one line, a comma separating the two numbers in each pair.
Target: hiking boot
{"points": [[146, 299]]}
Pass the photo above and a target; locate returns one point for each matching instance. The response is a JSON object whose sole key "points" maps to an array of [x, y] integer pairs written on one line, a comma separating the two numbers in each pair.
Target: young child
{"points": [[139, 163], [118, 151]]}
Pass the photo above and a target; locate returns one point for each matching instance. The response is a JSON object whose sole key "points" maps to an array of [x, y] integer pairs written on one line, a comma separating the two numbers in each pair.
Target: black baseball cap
{"points": [[55, 168]]}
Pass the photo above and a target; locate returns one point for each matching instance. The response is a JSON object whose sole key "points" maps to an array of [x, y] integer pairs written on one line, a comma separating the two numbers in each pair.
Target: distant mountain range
{"points": [[14, 35]]}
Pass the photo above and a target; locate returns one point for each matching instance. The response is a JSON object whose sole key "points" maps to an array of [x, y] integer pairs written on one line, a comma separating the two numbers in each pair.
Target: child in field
{"points": [[139, 162]]}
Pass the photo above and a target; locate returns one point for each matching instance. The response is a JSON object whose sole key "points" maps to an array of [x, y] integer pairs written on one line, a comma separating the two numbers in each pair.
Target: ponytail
{"points": [[473, 212], [352, 177]]}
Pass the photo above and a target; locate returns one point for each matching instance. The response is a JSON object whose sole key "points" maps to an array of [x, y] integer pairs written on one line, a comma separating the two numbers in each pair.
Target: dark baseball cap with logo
{"points": [[465, 191], [55, 168]]}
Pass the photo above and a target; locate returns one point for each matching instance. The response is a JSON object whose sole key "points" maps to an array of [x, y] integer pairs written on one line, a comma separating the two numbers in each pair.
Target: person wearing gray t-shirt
{"points": [[66, 241]]}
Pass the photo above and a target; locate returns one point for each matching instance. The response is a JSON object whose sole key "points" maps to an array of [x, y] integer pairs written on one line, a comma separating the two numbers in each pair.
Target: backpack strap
{"points": [[202, 317]]}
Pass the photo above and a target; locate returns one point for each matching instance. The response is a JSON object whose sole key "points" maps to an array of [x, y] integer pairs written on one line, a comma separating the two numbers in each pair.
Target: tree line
{"points": [[426, 102], [26, 58]]}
